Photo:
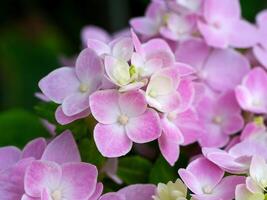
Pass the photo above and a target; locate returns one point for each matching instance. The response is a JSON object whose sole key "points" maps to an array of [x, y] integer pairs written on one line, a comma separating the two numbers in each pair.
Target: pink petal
{"points": [[219, 138], [184, 69], [235, 123], [112, 196], [12, 180], [169, 102], [206, 173], [132, 103], [225, 161], [94, 32], [144, 26], [75, 104], [78, 180], [9, 156], [170, 140], [261, 55], [253, 88], [45, 194], [64, 119], [111, 140], [133, 86], [224, 9], [98, 46], [34, 149], [26, 197], [144, 128], [123, 48], [186, 90], [248, 38], [97, 193], [62, 149], [226, 188], [152, 66], [193, 52], [159, 48], [189, 126], [59, 84], [213, 36], [234, 67], [144, 191], [104, 106], [190, 180], [136, 42], [89, 68], [41, 174]]}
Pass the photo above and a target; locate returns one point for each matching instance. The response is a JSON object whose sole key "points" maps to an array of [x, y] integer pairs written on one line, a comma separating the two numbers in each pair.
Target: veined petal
{"points": [[111, 140], [104, 106], [144, 128], [78, 180], [132, 103], [62, 149], [98, 46], [59, 84], [42, 174]]}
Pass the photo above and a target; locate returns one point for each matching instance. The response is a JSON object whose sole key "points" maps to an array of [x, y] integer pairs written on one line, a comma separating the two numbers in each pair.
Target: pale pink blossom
{"points": [[123, 119], [206, 181]]}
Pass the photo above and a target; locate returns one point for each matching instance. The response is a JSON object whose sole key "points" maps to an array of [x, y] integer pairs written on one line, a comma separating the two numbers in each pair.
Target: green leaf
{"points": [[90, 153], [19, 126], [46, 110], [134, 169], [162, 172]]}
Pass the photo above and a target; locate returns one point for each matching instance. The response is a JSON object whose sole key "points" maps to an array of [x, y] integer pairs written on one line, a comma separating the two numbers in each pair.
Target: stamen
{"points": [[171, 116], [83, 88], [153, 93], [217, 120], [56, 195], [207, 189], [123, 119]]}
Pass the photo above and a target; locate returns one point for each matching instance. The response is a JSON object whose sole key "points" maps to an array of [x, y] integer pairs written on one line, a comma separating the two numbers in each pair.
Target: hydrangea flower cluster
{"points": [[182, 75]]}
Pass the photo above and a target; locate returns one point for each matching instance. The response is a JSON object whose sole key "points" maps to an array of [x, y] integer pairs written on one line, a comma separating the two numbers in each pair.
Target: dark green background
{"points": [[34, 33]]}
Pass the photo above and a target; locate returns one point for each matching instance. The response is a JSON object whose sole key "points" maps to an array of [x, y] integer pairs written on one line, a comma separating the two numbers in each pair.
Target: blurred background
{"points": [[33, 36]]}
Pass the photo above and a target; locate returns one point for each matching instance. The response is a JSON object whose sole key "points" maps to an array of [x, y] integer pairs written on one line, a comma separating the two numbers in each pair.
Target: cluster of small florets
{"points": [[188, 71]]}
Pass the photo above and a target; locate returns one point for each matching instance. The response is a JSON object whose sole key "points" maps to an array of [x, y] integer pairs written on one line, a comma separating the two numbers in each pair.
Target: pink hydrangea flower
{"points": [[260, 50], [237, 158], [220, 117], [221, 20], [251, 94], [14, 163], [71, 87], [151, 56], [121, 48], [161, 92], [48, 180], [206, 181], [209, 66], [150, 24], [178, 27], [132, 192], [123, 118]]}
